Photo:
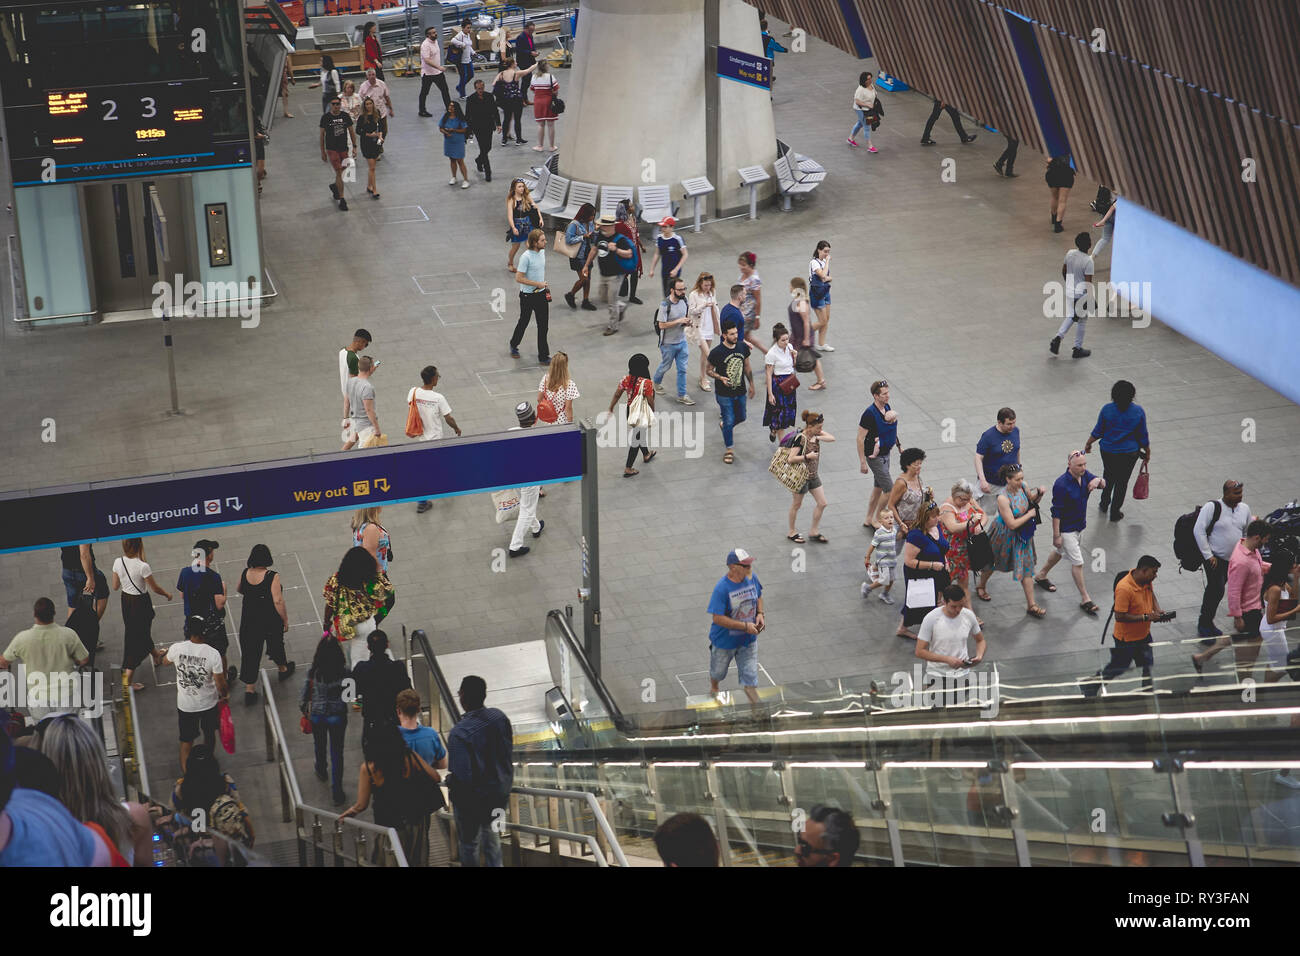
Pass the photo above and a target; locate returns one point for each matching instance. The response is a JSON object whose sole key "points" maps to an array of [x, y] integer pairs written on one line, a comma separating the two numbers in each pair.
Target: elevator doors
{"points": [[139, 232]]}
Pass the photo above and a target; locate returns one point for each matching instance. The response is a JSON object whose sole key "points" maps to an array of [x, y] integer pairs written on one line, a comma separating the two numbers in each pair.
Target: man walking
{"points": [[49, 652], [1006, 163], [1246, 570], [1069, 518], [673, 347], [943, 642], [525, 56], [729, 367], [607, 249], [737, 608], [527, 522], [348, 359], [359, 405], [377, 90], [731, 313], [1077, 272], [335, 128], [463, 44], [877, 435], [200, 687], [998, 446], [956, 124], [484, 122], [479, 754], [434, 412], [1136, 608], [1218, 527], [432, 71]]}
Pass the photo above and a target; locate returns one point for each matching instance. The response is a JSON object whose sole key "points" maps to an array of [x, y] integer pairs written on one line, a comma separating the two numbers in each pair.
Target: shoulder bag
{"points": [[793, 475], [304, 722], [639, 412], [414, 423], [979, 551], [1142, 487], [788, 384]]}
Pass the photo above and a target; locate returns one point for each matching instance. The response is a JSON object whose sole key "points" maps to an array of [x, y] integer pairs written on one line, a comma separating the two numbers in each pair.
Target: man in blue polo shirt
{"points": [[737, 609], [998, 446], [877, 435], [1069, 518], [730, 313]]}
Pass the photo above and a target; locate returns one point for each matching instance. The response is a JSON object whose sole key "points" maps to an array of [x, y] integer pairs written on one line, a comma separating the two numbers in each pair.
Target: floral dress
{"points": [[345, 607], [1011, 552], [958, 558]]}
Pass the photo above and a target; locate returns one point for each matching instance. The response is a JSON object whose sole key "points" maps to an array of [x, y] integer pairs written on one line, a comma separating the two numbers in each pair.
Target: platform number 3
{"points": [[148, 105]]}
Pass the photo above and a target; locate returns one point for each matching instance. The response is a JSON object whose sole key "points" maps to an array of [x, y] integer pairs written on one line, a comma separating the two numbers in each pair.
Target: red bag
{"points": [[546, 412], [304, 722], [1142, 487], [227, 727], [414, 423]]}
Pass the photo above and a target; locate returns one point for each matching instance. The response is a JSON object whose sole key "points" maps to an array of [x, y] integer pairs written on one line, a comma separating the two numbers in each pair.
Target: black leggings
{"points": [[631, 454], [513, 110]]}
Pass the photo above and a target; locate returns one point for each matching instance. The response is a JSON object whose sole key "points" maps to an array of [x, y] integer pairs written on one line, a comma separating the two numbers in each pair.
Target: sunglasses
{"points": [[804, 848]]}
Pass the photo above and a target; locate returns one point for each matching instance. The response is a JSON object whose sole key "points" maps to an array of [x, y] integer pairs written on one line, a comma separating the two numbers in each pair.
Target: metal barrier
{"points": [[310, 822], [140, 766]]}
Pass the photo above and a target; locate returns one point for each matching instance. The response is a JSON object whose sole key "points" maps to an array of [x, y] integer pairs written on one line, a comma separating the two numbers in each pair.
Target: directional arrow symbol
{"points": [[381, 483], [234, 503]]}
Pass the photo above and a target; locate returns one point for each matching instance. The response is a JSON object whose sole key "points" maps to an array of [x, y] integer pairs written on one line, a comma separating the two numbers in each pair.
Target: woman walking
{"points": [[807, 358], [134, 578], [1278, 595], [1011, 535], [751, 302], [545, 88], [578, 234], [534, 296], [778, 363], [372, 129], [350, 99], [1121, 431], [522, 217], [391, 774], [819, 291], [806, 448], [263, 621], [321, 702], [906, 496], [702, 309], [368, 533], [636, 382], [330, 83], [961, 517], [558, 389], [454, 131], [509, 95], [865, 105], [374, 54], [925, 552], [286, 78], [357, 598], [1060, 180]]}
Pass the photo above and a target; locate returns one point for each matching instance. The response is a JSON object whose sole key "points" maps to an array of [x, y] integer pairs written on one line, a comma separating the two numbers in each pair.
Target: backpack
{"points": [[659, 333], [1105, 628], [639, 412], [414, 423], [1103, 202], [1186, 549]]}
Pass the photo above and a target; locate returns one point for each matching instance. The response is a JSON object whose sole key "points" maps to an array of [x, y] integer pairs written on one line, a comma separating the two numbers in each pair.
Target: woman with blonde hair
{"points": [[351, 99], [368, 533], [544, 88], [134, 578], [925, 551], [522, 217], [557, 388], [806, 448], [534, 296], [961, 517], [807, 359], [87, 790], [702, 310]]}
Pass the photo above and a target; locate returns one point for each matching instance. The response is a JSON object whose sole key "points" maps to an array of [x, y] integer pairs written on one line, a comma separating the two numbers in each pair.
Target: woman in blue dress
{"points": [[925, 557], [454, 130], [1011, 535]]}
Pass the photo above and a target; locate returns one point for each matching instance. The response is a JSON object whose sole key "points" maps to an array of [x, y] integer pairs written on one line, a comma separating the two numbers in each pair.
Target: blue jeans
{"points": [[862, 125], [334, 729], [466, 71], [474, 834], [733, 413], [679, 352]]}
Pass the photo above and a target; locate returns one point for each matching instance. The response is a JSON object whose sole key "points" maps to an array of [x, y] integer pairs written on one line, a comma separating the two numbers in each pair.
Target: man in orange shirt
{"points": [[1135, 608]]}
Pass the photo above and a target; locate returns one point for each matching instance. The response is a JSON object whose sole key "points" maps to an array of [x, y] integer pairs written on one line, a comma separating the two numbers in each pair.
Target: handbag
{"points": [[557, 105], [227, 727], [1142, 487], [788, 384], [793, 475], [414, 423], [806, 360], [979, 550], [563, 248], [506, 504], [304, 722]]}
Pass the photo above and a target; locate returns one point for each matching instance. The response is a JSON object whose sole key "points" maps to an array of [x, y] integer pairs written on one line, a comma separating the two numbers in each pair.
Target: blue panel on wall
{"points": [[854, 23], [1040, 88]]}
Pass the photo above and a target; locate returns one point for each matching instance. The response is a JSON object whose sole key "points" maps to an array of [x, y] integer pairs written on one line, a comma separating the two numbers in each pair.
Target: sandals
{"points": [[817, 387], [1035, 611], [982, 594], [705, 386], [631, 474], [138, 687], [1045, 584], [1089, 607], [820, 538], [728, 458], [650, 457], [797, 538]]}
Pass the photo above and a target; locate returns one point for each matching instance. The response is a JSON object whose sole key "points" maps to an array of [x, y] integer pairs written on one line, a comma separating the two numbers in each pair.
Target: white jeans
{"points": [[527, 521]]}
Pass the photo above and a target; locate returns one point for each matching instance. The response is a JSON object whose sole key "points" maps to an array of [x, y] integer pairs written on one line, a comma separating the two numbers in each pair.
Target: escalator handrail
{"points": [[448, 698], [596, 812], [137, 747], [593, 680]]}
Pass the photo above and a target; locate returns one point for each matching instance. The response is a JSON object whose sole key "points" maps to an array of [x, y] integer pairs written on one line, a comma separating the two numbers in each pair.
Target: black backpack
{"points": [[1105, 628], [1103, 202], [1186, 549], [659, 333]]}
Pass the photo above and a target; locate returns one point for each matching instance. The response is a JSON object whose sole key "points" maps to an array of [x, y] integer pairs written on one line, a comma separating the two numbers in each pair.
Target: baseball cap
{"points": [[667, 221], [739, 556]]}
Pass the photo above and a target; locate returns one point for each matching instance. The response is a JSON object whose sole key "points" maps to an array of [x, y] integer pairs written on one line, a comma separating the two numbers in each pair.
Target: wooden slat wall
{"points": [[820, 18]]}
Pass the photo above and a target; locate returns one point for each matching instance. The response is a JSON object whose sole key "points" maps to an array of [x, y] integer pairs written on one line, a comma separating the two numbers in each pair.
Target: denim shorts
{"points": [[75, 581], [746, 658], [821, 298]]}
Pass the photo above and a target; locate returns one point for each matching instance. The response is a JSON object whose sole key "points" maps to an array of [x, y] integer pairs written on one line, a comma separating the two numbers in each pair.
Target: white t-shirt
{"points": [[814, 264], [864, 97], [433, 408], [1078, 270], [781, 360], [948, 636], [701, 306], [545, 81], [131, 573], [343, 371], [466, 48], [196, 691]]}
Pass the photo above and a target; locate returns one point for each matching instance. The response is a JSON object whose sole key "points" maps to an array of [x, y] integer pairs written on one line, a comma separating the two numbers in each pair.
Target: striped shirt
{"points": [[885, 545]]}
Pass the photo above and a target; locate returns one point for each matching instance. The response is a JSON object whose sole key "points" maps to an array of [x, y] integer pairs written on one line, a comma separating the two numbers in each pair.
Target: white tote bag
{"points": [[506, 504], [639, 412], [920, 593]]}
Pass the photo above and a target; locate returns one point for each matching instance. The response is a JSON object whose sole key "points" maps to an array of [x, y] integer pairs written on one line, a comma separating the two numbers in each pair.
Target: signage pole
{"points": [[171, 361], [590, 591], [712, 124]]}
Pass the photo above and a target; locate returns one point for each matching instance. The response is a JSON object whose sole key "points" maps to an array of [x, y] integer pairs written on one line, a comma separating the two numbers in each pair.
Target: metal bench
{"points": [[788, 184], [611, 196], [579, 195], [753, 176], [656, 203], [696, 189], [536, 179], [552, 203]]}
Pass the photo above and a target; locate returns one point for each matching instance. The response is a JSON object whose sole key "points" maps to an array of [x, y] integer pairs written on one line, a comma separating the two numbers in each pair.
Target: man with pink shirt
{"points": [[432, 70], [1245, 580]]}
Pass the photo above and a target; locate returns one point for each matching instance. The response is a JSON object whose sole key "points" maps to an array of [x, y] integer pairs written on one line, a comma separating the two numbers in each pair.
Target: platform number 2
{"points": [[149, 108]]}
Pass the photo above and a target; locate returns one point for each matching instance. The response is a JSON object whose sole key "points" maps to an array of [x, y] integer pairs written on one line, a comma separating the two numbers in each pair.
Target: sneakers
{"points": [[451, 182], [927, 142], [465, 184], [659, 388], [609, 332], [685, 400], [1057, 226], [1055, 345], [520, 553], [250, 699], [969, 139], [872, 149], [334, 190], [588, 306], [851, 141], [1210, 631], [514, 352], [423, 506], [635, 301], [884, 596], [541, 526], [866, 588], [571, 300], [232, 674], [1080, 353], [825, 348], [343, 205]]}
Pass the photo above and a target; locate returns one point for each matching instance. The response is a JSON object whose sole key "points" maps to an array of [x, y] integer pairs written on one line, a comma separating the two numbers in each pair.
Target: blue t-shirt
{"points": [[199, 588], [1121, 432], [738, 602], [928, 549], [1070, 501], [873, 420], [425, 742], [45, 833], [670, 251], [533, 265], [731, 315], [998, 450]]}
